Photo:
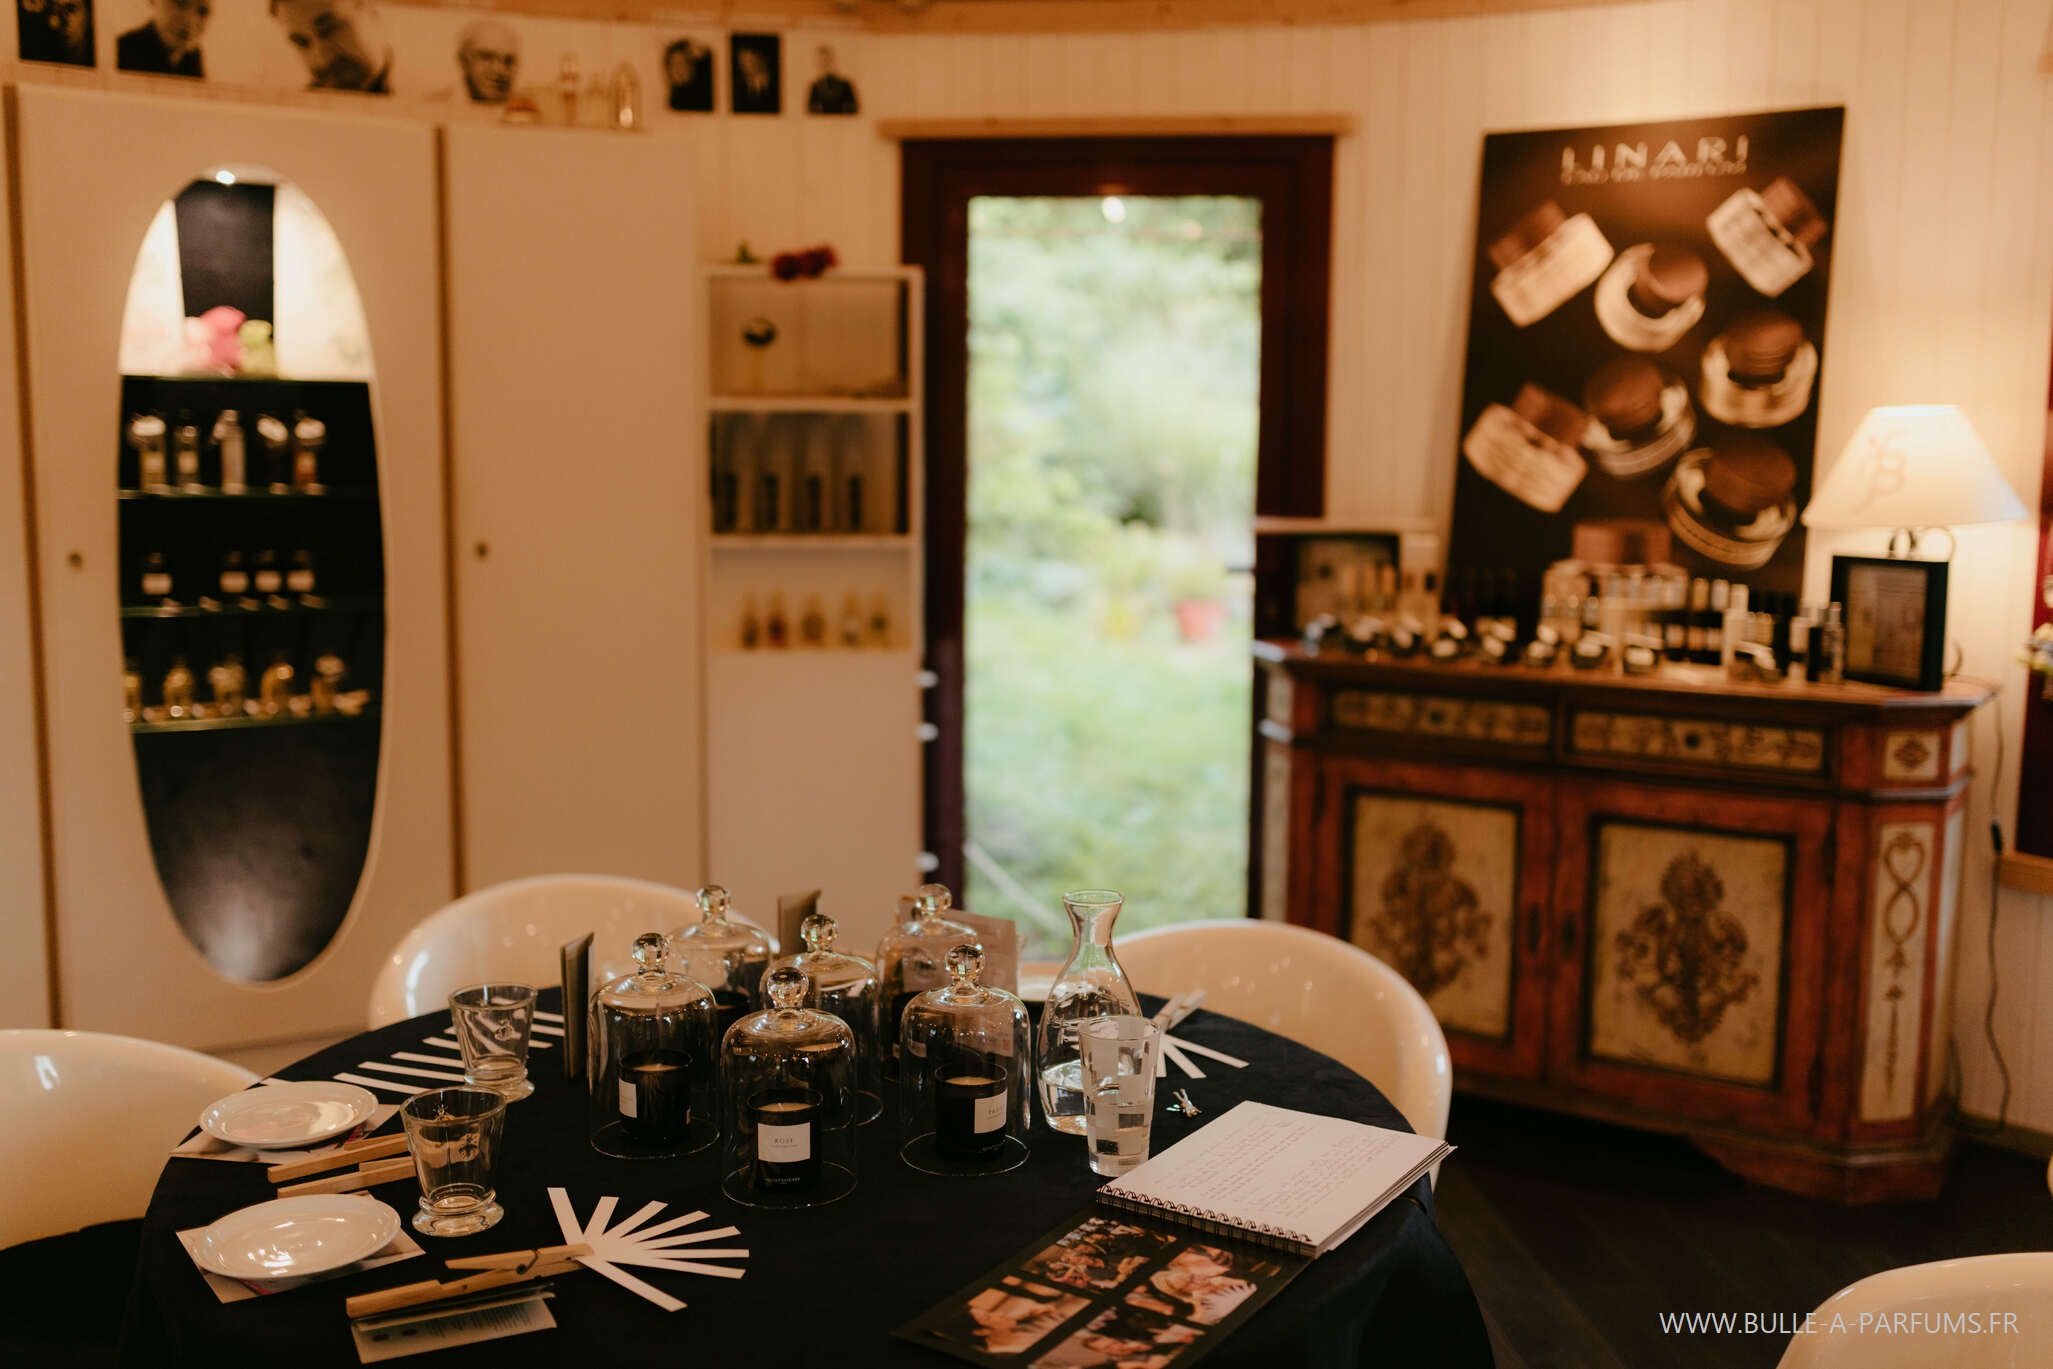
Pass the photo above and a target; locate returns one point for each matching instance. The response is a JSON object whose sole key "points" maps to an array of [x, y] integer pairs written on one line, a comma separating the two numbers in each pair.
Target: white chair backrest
{"points": [[1313, 988], [1973, 1297], [516, 931], [86, 1122]]}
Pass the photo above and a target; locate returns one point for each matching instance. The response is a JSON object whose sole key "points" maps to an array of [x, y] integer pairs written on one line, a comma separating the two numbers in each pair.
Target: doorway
{"points": [[1082, 480]]}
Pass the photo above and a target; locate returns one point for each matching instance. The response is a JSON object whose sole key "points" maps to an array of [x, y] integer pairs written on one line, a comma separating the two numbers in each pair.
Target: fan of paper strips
{"points": [[645, 1243]]}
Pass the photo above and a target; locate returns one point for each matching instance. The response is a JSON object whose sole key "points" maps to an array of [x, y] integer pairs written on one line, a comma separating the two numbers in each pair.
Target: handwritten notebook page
{"points": [[1262, 1168]]}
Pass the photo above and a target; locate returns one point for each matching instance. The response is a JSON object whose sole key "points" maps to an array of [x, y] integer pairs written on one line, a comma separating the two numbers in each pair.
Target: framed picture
{"points": [[756, 79], [1895, 614]]}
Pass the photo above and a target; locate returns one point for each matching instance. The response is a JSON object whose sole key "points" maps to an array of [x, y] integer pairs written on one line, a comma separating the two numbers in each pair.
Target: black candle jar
{"points": [[969, 1110], [787, 1158], [655, 1097]]}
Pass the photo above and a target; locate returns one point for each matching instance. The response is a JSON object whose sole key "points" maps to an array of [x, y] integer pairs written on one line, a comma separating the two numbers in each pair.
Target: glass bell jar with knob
{"points": [[654, 1061], [911, 959], [846, 987], [964, 1100], [726, 955], [789, 1100], [1089, 984]]}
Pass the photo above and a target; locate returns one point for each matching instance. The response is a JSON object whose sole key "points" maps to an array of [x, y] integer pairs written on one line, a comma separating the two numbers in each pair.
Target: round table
{"points": [[824, 1286]]}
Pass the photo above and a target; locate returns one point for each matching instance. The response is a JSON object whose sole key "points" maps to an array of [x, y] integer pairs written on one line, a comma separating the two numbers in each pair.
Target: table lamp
{"points": [[1912, 468]]}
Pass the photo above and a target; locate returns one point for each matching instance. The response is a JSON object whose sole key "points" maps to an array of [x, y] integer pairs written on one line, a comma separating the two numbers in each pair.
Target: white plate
{"points": [[290, 1238], [281, 1116]]}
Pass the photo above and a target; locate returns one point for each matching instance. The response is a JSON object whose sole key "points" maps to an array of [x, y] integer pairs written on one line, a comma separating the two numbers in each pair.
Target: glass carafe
{"points": [[727, 957], [1090, 984], [911, 959]]}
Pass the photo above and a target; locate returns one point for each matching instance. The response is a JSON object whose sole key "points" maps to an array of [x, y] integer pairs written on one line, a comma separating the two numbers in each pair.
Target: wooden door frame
{"points": [[1291, 175]]}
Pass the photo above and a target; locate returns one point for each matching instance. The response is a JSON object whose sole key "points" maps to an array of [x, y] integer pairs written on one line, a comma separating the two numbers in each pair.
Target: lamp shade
{"points": [[1914, 466]]}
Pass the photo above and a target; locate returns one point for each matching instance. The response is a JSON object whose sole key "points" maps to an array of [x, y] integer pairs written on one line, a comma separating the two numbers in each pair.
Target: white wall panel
{"points": [[579, 460]]}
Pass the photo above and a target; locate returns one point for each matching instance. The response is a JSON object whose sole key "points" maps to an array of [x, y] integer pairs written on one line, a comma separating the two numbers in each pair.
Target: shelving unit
{"points": [[846, 350]]}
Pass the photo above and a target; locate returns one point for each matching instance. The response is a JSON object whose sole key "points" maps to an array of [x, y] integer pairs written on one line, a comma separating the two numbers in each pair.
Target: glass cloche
{"points": [[911, 959], [654, 1066], [965, 1095], [728, 957], [845, 986], [789, 1099]]}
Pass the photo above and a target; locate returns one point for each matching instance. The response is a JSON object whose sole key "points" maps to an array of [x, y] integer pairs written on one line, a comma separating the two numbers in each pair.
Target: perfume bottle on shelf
{"points": [[813, 489], [277, 442], [229, 683], [265, 577], [1828, 648], [131, 690], [309, 436], [852, 473], [880, 621], [234, 578], [274, 688], [156, 577], [146, 435], [851, 629], [232, 447], [178, 682], [595, 108], [776, 630], [300, 578], [627, 97], [751, 624], [812, 623], [185, 451], [326, 683], [568, 84]]}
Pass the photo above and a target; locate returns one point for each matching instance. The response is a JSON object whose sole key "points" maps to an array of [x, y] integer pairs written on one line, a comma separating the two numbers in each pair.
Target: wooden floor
{"points": [[1577, 1234]]}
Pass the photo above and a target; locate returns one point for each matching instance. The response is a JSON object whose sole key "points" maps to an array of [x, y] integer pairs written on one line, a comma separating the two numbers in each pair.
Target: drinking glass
{"points": [[492, 1023], [454, 1134], [1119, 1057]]}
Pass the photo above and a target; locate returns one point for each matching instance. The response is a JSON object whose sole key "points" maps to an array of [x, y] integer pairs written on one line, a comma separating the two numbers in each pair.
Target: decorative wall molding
{"points": [[1435, 715], [1698, 741]]}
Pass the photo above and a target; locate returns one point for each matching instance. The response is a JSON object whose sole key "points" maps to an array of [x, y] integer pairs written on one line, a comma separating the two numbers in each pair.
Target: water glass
{"points": [[1119, 1055], [454, 1136], [492, 1023]]}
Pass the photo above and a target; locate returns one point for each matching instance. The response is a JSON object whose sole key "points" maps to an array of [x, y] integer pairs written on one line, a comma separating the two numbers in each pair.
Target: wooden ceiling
{"points": [[1020, 16]]}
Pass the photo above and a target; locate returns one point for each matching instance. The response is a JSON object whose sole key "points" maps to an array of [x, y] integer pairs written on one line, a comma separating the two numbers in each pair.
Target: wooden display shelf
{"points": [[349, 604], [368, 713], [811, 404], [331, 492], [812, 541]]}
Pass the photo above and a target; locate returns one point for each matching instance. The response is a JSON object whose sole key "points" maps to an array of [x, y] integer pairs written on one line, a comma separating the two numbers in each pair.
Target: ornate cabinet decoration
{"points": [[1676, 902]]}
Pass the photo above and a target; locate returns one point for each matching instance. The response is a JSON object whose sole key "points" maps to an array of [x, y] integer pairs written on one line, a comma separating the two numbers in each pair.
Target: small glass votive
{"points": [[1119, 1058], [492, 1023], [454, 1135]]}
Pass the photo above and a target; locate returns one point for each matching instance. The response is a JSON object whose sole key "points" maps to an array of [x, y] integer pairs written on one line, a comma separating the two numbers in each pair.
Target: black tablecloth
{"points": [[824, 1286]]}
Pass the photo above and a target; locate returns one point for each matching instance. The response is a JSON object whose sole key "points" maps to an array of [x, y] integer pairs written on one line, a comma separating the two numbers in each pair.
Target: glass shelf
{"points": [[811, 541], [266, 610], [141, 729], [333, 492], [809, 404], [211, 378]]}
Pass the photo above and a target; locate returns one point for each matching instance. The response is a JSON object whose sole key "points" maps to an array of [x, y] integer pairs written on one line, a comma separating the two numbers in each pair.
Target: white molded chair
{"points": [[516, 931], [1930, 1299], [1313, 988], [87, 1120]]}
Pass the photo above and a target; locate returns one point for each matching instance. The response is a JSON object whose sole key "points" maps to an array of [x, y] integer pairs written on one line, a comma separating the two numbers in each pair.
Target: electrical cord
{"points": [[1960, 1120]]}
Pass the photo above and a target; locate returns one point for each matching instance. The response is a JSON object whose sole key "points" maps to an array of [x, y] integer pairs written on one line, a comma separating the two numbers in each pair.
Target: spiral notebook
{"points": [[1278, 1177]]}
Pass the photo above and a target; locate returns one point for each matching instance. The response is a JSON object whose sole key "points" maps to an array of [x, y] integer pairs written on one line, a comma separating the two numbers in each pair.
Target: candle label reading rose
{"points": [[784, 1145], [990, 1114]]}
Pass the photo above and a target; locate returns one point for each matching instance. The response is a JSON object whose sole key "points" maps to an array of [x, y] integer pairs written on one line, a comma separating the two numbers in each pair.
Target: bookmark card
{"points": [[792, 910], [646, 1243], [576, 960], [201, 1146], [402, 1247], [417, 1330], [1000, 936]]}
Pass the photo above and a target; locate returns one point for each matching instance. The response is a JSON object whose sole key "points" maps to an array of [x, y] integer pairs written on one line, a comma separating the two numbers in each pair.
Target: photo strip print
{"points": [[1107, 1289], [1644, 332]]}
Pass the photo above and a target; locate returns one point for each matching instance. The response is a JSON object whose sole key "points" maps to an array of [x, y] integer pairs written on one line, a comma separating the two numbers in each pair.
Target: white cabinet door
{"points": [[578, 437], [25, 968], [94, 172]]}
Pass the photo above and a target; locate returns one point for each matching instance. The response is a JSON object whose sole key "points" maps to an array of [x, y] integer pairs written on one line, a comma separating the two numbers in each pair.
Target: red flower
{"points": [[787, 266]]}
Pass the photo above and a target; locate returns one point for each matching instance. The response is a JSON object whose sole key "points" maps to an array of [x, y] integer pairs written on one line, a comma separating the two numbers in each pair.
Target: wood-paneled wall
{"points": [[1942, 282]]}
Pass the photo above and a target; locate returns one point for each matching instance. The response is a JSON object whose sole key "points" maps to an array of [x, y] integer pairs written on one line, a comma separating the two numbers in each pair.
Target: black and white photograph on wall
{"points": [[754, 74], [831, 92], [55, 31], [168, 42], [342, 42], [688, 71], [1642, 374], [488, 60]]}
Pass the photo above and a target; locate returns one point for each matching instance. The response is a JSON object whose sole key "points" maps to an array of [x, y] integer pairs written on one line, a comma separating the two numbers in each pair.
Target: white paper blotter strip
{"points": [[420, 1059], [544, 1015], [648, 1211], [410, 1071], [389, 1085], [632, 1284], [1221, 1056], [693, 1238], [659, 1228]]}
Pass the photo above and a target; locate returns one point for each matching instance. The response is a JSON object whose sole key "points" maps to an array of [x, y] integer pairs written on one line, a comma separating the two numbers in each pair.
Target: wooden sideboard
{"points": [[1727, 910]]}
